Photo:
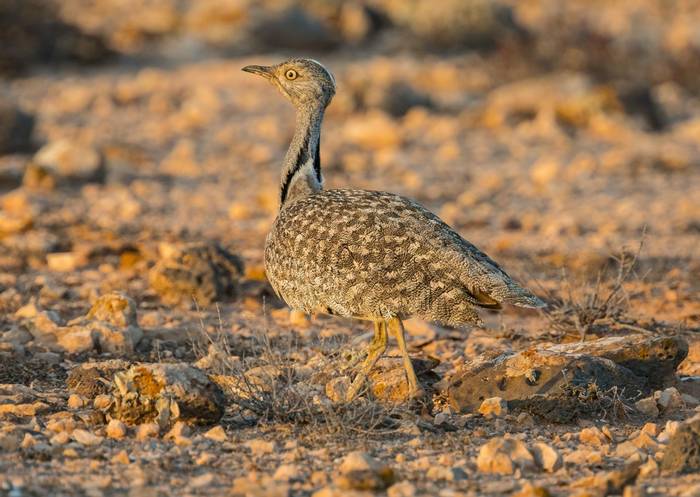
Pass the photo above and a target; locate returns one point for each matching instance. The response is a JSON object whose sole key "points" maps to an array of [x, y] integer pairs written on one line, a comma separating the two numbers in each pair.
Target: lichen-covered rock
{"points": [[196, 272], [547, 382], [682, 455], [91, 379], [114, 308], [654, 358], [112, 323], [552, 380], [166, 393]]}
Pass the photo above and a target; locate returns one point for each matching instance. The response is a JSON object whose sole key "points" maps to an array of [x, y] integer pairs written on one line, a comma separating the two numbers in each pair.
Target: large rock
{"points": [[15, 128], [109, 326], [68, 161], [166, 393], [553, 381], [198, 273], [94, 378], [683, 452], [654, 358]]}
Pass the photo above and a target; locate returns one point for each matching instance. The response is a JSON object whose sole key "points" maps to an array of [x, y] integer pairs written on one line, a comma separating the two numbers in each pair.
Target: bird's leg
{"points": [[376, 348], [397, 328]]}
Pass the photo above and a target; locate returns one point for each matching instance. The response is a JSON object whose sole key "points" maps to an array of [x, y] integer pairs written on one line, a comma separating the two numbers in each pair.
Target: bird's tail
{"points": [[522, 297]]}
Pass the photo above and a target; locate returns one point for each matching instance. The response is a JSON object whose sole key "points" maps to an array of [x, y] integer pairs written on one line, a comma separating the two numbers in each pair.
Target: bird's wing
{"points": [[485, 282]]}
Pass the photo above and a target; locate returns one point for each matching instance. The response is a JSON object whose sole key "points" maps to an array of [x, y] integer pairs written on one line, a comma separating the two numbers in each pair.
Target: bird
{"points": [[363, 254]]}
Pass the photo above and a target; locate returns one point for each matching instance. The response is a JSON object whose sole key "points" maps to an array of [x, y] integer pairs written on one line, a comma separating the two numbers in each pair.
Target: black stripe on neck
{"points": [[317, 159], [301, 159]]}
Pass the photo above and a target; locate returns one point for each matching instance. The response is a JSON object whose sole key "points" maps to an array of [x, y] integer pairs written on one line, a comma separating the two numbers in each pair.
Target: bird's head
{"points": [[304, 82]]}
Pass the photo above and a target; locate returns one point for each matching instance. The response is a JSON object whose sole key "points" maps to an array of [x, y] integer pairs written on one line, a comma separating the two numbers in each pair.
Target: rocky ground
{"points": [[143, 352]]}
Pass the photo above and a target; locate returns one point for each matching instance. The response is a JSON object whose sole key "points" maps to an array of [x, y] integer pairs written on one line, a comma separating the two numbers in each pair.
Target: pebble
{"points": [[445, 473], [259, 447], [24, 410], [63, 262], [60, 438], [669, 430], [651, 429], [493, 407], [72, 160], [649, 469], [203, 480], [647, 406], [147, 430], [84, 437], [583, 456], [204, 458], [503, 456], [626, 449], [71, 452], [75, 401], [288, 472], [532, 490], [217, 434], [669, 400], [116, 429], [180, 429], [525, 420], [360, 471], [28, 441], [645, 441], [401, 489], [102, 401], [593, 436], [121, 457], [546, 457]]}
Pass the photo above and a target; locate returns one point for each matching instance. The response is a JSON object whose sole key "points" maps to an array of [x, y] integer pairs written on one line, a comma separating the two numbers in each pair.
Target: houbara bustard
{"points": [[367, 254]]}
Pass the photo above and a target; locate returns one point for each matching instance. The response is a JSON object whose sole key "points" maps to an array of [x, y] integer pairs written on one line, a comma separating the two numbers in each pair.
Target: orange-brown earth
{"points": [[157, 178]]}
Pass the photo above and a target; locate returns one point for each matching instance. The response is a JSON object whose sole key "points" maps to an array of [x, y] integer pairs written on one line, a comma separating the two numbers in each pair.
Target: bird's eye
{"points": [[291, 74]]}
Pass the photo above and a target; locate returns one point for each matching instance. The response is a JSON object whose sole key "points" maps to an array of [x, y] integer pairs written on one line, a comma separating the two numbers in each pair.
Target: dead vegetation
{"points": [[269, 385], [598, 306]]}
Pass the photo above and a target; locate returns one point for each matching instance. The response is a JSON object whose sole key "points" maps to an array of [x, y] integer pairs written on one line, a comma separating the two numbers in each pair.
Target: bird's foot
{"points": [[355, 387], [353, 358]]}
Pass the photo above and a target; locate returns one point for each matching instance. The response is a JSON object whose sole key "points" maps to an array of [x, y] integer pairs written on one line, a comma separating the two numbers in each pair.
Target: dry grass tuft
{"points": [[267, 387], [602, 305]]}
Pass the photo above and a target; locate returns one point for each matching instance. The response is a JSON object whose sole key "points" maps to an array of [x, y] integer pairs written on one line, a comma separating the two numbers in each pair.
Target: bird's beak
{"points": [[264, 71]]}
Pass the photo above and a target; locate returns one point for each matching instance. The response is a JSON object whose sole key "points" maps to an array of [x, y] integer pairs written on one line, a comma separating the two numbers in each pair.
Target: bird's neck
{"points": [[301, 174]]}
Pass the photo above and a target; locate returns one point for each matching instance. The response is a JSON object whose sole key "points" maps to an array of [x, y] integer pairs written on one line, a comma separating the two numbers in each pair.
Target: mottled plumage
{"points": [[377, 255], [366, 254]]}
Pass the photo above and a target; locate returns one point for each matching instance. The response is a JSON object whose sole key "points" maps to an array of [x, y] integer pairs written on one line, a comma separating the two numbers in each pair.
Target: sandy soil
{"points": [[551, 173]]}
